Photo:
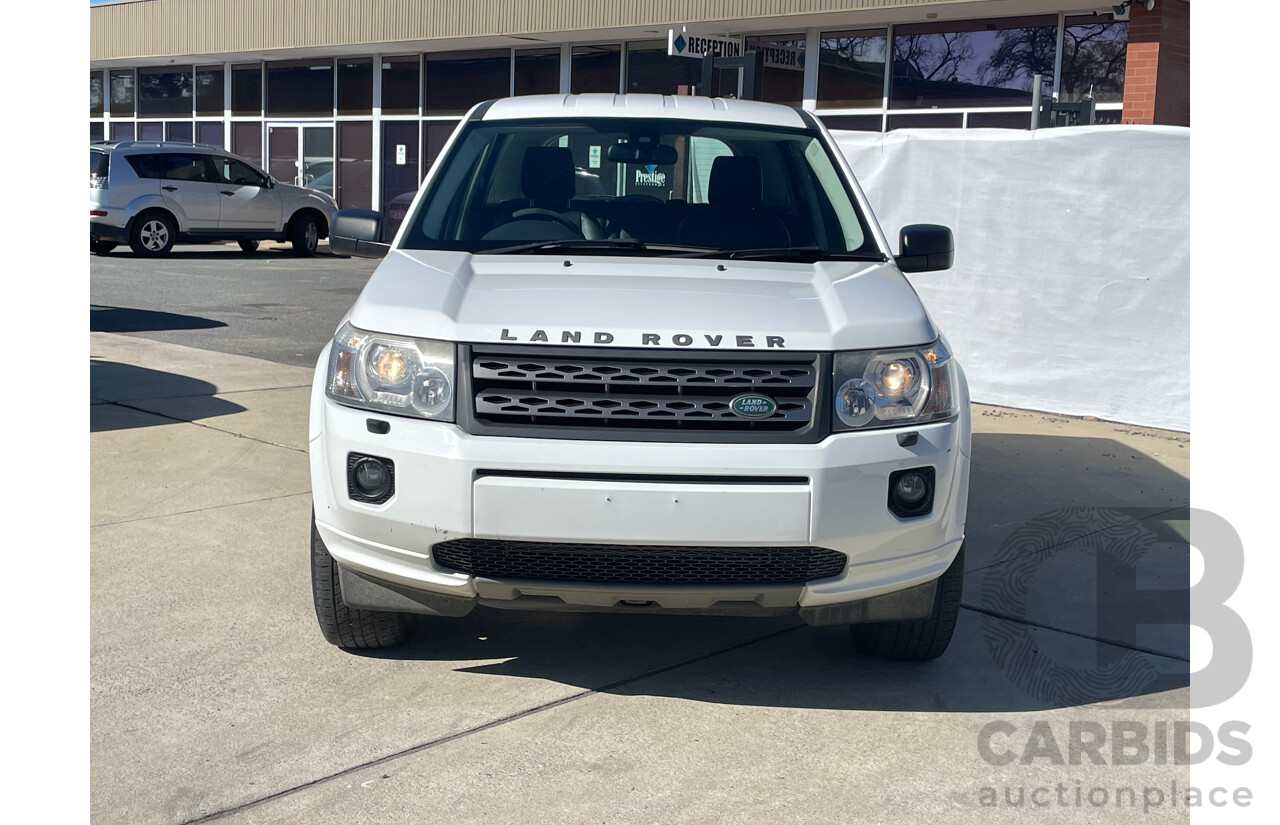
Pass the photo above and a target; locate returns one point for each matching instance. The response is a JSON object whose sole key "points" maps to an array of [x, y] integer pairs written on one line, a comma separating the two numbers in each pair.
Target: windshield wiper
{"points": [[587, 244], [808, 254]]}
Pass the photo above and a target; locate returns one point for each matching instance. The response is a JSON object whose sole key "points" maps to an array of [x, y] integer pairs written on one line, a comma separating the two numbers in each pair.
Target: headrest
{"points": [[735, 182], [547, 174]]}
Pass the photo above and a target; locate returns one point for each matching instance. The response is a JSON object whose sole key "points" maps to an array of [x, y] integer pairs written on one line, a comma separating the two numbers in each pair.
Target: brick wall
{"points": [[1157, 80]]}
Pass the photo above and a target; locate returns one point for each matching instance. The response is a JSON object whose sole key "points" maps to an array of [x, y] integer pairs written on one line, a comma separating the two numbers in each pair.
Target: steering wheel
{"points": [[535, 213]]}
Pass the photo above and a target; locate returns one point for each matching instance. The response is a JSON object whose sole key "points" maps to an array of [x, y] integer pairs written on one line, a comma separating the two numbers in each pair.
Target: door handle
{"points": [[169, 188], [228, 193]]}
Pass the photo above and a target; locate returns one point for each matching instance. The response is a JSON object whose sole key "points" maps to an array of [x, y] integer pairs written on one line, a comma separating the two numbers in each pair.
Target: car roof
{"points": [[158, 146], [679, 107]]}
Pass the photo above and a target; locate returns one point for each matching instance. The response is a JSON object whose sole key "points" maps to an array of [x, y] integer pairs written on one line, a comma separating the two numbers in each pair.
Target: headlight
{"points": [[405, 376], [884, 388]]}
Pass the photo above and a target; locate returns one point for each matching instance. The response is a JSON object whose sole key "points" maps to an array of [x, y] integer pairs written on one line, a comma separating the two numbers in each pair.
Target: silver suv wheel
{"points": [[154, 235]]}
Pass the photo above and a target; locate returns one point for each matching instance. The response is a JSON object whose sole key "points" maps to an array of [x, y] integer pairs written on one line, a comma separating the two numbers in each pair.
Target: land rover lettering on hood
{"points": [[641, 354]]}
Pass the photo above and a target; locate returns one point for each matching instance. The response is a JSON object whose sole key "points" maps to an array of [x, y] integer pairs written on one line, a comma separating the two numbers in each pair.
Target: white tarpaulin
{"points": [[1071, 286]]}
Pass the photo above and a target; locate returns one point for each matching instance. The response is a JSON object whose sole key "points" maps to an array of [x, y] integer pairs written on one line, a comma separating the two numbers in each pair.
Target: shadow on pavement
{"points": [[218, 252], [1082, 599], [124, 319], [112, 386]]}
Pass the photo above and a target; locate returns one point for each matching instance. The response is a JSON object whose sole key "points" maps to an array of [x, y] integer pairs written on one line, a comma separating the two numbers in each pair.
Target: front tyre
{"points": [[153, 234], [347, 627], [917, 640], [249, 246], [102, 247], [304, 234]]}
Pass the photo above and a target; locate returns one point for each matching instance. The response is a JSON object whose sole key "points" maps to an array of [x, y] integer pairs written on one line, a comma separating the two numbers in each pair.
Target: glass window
{"points": [[400, 86], [930, 121], [300, 88], [121, 130], [399, 171], [595, 69], [703, 186], [853, 123], [355, 165], [179, 131], [171, 166], [246, 141], [537, 71], [151, 130], [437, 134], [186, 167], [209, 91], [237, 172], [146, 166], [246, 90], [456, 81], [783, 80], [1093, 58], [999, 120], [971, 63], [355, 86], [851, 69], [95, 94], [211, 133], [95, 131], [650, 69], [165, 91], [122, 93]]}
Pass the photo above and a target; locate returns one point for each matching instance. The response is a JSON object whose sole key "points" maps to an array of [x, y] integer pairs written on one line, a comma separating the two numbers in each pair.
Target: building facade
{"points": [[357, 97]]}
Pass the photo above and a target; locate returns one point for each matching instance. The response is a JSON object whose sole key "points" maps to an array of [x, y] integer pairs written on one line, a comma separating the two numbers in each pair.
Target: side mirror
{"points": [[357, 232], [924, 247]]}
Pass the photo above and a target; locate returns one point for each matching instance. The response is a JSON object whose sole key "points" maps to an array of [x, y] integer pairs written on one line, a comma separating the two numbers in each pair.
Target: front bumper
{"points": [[452, 485]]}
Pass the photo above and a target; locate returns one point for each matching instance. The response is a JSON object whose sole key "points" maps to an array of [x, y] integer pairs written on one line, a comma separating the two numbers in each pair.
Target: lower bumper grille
{"points": [[638, 564]]}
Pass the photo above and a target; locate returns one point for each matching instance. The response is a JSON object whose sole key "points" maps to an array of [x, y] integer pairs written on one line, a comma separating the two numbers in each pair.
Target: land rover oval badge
{"points": [[753, 405]]}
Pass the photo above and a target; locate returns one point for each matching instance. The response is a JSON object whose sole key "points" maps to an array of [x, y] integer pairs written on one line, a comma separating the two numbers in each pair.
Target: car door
{"points": [[186, 184], [250, 202]]}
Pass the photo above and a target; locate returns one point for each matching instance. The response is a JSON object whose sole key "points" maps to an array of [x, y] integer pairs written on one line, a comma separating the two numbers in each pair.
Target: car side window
{"points": [[181, 166], [237, 172], [146, 166]]}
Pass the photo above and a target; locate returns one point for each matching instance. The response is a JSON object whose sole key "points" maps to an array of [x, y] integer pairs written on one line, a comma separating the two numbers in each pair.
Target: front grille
{"points": [[637, 564], [642, 391]]}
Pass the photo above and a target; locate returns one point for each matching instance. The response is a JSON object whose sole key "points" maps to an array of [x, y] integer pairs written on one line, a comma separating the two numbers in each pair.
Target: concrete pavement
{"points": [[213, 695]]}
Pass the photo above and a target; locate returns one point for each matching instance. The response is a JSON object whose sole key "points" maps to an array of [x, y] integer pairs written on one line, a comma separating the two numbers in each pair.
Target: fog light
{"points": [[911, 492], [369, 478]]}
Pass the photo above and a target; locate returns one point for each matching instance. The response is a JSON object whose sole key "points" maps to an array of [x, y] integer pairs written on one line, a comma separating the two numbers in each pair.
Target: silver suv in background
{"points": [[151, 195]]}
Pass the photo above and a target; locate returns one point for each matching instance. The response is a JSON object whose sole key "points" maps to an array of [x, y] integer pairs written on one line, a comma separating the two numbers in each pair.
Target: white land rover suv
{"points": [[645, 354], [151, 195]]}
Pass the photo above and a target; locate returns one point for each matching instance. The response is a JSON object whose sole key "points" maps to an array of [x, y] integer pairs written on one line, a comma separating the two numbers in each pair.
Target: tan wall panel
{"points": [[155, 28]]}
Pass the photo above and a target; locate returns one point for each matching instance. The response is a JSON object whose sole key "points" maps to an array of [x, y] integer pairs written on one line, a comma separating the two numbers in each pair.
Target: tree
{"points": [[932, 56]]}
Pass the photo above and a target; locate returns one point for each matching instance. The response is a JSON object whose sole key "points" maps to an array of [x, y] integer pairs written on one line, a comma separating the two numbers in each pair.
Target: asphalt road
{"points": [[269, 304]]}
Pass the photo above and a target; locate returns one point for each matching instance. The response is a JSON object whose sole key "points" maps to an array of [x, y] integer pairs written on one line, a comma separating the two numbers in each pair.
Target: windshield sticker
{"points": [[650, 176], [594, 157]]}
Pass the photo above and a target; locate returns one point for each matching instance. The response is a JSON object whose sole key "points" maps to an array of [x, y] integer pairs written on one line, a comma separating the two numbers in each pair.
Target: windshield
{"points": [[641, 186]]}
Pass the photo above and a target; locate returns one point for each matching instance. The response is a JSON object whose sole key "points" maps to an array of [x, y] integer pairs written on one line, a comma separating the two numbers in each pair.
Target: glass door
{"points": [[301, 155]]}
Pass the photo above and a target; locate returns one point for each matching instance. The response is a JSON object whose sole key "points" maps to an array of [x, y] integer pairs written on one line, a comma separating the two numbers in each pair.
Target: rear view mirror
{"points": [[658, 154], [925, 247], [357, 232]]}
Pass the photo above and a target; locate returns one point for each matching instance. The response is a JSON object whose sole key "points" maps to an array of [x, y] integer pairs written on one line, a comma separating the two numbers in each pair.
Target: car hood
{"points": [[642, 302]]}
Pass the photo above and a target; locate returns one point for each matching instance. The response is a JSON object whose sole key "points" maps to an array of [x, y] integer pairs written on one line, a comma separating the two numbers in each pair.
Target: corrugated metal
{"points": [[155, 28]]}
